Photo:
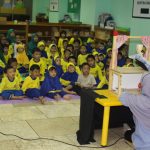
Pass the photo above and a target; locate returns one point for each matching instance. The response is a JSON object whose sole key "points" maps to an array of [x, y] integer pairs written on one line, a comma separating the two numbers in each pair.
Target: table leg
{"points": [[105, 126]]}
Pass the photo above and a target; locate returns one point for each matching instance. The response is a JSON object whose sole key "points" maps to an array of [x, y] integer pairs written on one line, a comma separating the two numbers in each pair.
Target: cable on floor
{"points": [[55, 140]]}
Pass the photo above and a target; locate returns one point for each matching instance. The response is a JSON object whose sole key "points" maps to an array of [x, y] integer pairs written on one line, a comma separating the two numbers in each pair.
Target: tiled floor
{"points": [[57, 120]]}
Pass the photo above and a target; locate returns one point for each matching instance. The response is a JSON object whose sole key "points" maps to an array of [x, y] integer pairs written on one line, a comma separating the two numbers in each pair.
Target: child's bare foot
{"points": [[17, 97], [67, 97], [73, 93], [57, 97], [42, 100]]}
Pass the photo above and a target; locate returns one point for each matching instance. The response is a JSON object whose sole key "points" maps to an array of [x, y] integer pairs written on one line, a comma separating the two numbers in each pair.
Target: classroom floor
{"points": [[58, 120]]}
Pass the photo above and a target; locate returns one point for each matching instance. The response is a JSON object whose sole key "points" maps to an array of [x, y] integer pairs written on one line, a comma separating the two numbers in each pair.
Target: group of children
{"points": [[54, 68]]}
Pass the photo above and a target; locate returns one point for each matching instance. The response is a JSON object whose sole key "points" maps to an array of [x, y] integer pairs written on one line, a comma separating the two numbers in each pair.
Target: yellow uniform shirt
{"points": [[90, 40], [60, 42], [6, 84], [64, 65], [41, 64], [82, 59], [47, 49], [2, 64], [101, 65], [78, 70], [11, 49], [96, 72], [30, 83], [72, 41], [7, 57], [49, 59], [62, 52], [102, 82], [18, 76]]}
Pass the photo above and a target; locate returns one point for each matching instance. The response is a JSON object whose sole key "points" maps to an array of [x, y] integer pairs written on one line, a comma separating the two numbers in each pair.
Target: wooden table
{"points": [[111, 100]]}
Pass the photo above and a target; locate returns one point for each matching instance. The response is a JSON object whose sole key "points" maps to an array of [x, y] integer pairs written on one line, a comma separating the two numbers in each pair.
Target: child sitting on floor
{"points": [[76, 46], [31, 85], [86, 80], [58, 66], [121, 60], [64, 61], [100, 47], [95, 70], [13, 63], [38, 61], [10, 86], [75, 37], [65, 43], [53, 52], [61, 39], [69, 78], [6, 53], [71, 48], [83, 55], [72, 59], [51, 86], [41, 46], [22, 59]]}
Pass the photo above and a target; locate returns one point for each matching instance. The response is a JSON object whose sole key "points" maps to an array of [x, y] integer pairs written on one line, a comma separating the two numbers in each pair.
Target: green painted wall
{"points": [[90, 10], [42, 6], [101, 6], [122, 12], [39, 7]]}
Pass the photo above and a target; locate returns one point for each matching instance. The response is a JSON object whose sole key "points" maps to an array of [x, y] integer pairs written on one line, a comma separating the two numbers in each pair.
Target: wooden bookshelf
{"points": [[47, 30], [105, 34], [20, 28]]}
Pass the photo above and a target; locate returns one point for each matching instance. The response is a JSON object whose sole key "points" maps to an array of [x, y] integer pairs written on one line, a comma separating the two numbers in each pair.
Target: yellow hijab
{"points": [[22, 56]]}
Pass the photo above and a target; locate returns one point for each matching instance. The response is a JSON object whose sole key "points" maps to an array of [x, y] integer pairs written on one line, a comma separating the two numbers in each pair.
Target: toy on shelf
{"points": [[19, 4], [66, 19], [106, 21], [126, 78]]}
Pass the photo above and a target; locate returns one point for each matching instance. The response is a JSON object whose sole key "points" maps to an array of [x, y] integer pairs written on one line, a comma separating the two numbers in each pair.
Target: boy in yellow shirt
{"points": [[6, 53], [10, 86], [37, 60], [64, 61], [75, 37], [95, 70], [61, 39], [31, 85], [13, 63], [62, 49], [82, 56]]}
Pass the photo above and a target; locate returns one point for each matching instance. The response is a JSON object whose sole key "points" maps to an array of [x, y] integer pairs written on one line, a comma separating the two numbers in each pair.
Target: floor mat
{"points": [[28, 100]]}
